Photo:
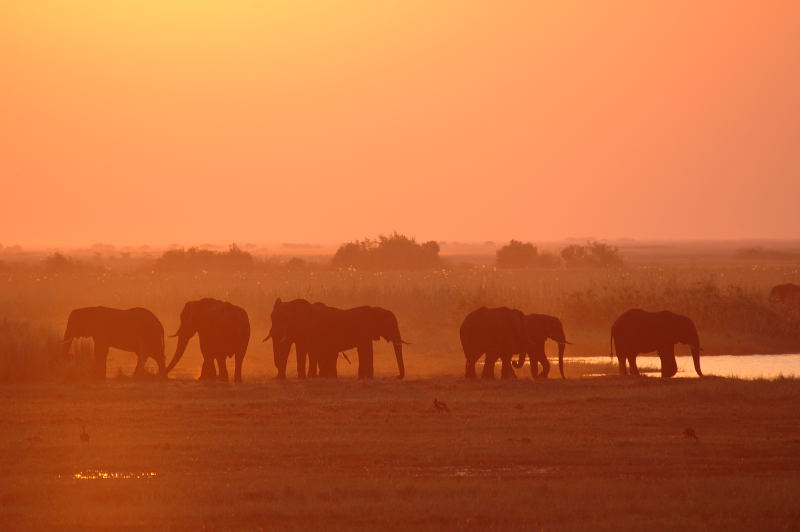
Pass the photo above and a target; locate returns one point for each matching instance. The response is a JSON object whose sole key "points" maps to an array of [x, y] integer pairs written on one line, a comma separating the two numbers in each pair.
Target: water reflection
{"points": [[737, 366], [99, 474]]}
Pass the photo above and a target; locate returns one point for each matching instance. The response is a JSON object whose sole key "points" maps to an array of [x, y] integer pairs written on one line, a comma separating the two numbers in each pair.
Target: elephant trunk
{"points": [[183, 341], [561, 346], [398, 353], [696, 359], [520, 361]]}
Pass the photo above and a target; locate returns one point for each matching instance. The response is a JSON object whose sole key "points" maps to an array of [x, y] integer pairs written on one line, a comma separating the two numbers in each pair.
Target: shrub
{"points": [[593, 254], [517, 254], [197, 259], [394, 252], [27, 351]]}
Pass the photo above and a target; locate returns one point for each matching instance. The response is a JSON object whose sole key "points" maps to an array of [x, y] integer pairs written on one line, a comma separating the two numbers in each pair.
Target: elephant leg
{"points": [[621, 358], [632, 364], [488, 366], [208, 371], [327, 364], [506, 370], [545, 366], [223, 369], [140, 360], [669, 365], [313, 365], [301, 361], [238, 357], [471, 359], [100, 358], [366, 357], [162, 367]]}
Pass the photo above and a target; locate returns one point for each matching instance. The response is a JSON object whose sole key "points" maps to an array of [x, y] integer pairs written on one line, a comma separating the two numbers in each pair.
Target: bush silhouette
{"points": [[394, 252], [518, 254], [593, 254], [196, 259]]}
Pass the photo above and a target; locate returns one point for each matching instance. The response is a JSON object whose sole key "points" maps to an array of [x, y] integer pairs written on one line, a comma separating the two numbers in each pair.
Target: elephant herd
{"points": [[500, 333], [320, 333]]}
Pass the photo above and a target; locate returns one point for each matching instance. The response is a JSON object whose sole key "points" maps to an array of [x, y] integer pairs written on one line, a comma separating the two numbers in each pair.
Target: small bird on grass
{"points": [[84, 435], [440, 406], [690, 434]]}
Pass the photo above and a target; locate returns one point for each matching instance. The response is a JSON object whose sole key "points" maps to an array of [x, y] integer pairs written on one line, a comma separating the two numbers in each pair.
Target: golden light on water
{"points": [[98, 474]]}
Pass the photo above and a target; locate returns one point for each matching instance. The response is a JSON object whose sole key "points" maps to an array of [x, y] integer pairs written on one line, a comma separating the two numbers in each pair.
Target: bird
{"points": [[690, 434], [440, 406], [84, 435]]}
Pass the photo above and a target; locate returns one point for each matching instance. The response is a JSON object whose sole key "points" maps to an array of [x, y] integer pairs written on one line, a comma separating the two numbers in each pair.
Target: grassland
{"points": [[583, 454]]}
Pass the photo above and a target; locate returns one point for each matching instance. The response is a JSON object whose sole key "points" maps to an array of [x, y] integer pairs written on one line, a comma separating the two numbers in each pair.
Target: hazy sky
{"points": [[156, 121]]}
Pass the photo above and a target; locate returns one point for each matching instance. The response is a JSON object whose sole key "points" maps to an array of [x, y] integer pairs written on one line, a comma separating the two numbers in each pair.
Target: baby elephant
{"points": [[136, 330]]}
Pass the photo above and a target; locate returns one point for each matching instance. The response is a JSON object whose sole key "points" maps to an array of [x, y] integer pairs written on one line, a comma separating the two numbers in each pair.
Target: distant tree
{"points": [[393, 252], [58, 263], [518, 254], [295, 264], [196, 259], [592, 254]]}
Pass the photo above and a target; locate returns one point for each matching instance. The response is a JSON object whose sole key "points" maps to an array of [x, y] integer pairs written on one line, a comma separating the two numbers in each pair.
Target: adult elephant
{"points": [[540, 328], [638, 331], [224, 331], [291, 321], [323, 332], [136, 330], [498, 333]]}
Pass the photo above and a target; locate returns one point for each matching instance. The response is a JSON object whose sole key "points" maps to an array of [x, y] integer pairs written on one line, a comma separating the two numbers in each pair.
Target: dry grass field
{"points": [[583, 454]]}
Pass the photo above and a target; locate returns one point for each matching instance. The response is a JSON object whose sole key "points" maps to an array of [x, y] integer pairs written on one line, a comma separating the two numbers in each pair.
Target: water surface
{"points": [[738, 366]]}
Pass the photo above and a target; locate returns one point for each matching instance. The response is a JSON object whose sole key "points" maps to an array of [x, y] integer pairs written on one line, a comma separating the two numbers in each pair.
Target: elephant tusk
{"points": [[403, 342], [172, 335]]}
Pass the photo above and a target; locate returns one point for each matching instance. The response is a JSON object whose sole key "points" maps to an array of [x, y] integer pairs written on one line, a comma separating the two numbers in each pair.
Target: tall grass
{"points": [[729, 304]]}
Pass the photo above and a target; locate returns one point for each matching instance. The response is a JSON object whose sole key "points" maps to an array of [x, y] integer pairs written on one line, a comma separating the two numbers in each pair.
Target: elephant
{"points": [[497, 333], [290, 325], [786, 296], [322, 332], [136, 330], [638, 331], [539, 328], [224, 331]]}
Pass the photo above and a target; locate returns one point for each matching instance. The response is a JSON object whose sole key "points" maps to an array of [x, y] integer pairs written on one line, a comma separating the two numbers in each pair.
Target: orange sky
{"points": [[156, 121]]}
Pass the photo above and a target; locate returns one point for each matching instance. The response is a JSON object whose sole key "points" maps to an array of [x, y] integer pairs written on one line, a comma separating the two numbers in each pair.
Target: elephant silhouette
{"points": [[136, 330], [498, 333], [540, 328], [320, 333], [638, 331], [224, 331]]}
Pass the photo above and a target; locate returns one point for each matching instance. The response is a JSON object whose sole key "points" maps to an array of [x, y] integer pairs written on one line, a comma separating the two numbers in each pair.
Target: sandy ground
{"points": [[605, 453]]}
